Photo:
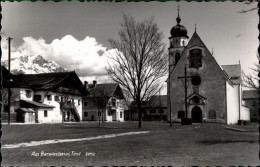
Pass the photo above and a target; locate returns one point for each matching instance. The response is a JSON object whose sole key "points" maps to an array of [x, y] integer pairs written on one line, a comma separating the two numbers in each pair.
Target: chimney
{"points": [[86, 84], [94, 83]]}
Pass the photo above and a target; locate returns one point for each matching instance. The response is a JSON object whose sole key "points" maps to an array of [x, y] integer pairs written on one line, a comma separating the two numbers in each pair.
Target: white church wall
{"points": [[232, 103]]}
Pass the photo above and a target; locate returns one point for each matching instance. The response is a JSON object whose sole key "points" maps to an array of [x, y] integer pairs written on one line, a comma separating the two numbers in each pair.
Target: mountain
{"points": [[32, 65]]}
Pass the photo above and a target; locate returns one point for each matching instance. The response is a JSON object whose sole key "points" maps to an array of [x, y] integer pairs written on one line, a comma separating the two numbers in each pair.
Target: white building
{"points": [[105, 102], [47, 97]]}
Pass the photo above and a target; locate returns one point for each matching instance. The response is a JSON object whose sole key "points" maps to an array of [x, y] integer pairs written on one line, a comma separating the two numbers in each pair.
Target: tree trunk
{"points": [[160, 115], [102, 113], [140, 124], [129, 117], [99, 121]]}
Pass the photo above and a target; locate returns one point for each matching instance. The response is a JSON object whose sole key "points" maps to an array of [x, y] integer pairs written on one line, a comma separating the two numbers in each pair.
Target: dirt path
{"points": [[55, 141]]}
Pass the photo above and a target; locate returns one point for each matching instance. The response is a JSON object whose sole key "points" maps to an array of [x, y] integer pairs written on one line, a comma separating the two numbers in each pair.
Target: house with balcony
{"points": [[105, 102], [46, 97]]}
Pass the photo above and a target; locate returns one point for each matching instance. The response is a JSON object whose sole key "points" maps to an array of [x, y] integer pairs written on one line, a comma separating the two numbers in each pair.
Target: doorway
{"points": [[196, 115]]}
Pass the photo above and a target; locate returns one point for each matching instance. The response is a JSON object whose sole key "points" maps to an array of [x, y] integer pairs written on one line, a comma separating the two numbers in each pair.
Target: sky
{"points": [[75, 34]]}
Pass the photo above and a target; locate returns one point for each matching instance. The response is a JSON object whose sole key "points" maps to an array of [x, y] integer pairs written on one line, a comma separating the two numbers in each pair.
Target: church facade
{"points": [[213, 92]]}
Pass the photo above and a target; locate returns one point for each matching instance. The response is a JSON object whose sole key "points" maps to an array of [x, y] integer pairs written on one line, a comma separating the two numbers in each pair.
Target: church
{"points": [[213, 92]]}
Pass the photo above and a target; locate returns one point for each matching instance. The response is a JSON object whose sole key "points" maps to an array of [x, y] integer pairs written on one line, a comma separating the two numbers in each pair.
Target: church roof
{"points": [[234, 72], [196, 41], [179, 30], [250, 94]]}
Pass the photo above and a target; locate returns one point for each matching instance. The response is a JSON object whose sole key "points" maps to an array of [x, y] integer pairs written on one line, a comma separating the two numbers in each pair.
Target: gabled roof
{"points": [[196, 41], [104, 90], [158, 101], [47, 81], [133, 104], [30, 110], [250, 94], [234, 72], [40, 81]]}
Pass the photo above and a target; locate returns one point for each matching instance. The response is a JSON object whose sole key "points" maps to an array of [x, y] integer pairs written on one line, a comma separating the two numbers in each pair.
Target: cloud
{"points": [[87, 57]]}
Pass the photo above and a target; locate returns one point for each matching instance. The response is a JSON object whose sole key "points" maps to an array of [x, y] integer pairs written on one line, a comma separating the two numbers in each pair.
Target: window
{"points": [[85, 103], [61, 99], [28, 93], [37, 98], [212, 114], [196, 80], [49, 97], [110, 112], [45, 113], [78, 102], [6, 108], [161, 111], [56, 98], [113, 102], [181, 114], [177, 57], [195, 58], [85, 114], [196, 99], [121, 114]]}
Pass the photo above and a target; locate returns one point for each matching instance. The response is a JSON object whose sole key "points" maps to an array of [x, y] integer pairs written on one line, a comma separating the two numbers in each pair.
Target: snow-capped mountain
{"points": [[32, 65]]}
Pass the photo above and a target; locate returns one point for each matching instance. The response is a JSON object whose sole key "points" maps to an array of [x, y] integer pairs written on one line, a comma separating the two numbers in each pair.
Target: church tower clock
{"points": [[178, 41]]}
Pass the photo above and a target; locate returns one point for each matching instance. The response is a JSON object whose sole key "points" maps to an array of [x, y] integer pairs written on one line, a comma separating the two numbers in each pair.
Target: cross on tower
{"points": [[185, 87]]}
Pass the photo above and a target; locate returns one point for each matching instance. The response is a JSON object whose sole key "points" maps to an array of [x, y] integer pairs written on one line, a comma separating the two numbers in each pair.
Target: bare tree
{"points": [[140, 61], [251, 80]]}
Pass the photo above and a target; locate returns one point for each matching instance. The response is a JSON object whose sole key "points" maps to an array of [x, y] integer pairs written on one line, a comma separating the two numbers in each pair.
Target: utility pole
{"points": [[170, 107], [185, 87], [9, 79]]}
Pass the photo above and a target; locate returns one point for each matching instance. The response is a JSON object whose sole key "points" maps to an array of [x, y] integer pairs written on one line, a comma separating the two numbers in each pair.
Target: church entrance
{"points": [[196, 115]]}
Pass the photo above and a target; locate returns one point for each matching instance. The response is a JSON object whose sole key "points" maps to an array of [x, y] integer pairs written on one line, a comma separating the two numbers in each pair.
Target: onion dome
{"points": [[179, 30]]}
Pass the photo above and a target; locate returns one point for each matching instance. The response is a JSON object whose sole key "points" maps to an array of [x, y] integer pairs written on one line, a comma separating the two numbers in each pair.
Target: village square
{"points": [[152, 97]]}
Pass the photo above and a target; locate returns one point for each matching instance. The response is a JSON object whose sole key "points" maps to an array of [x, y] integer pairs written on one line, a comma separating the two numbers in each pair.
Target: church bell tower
{"points": [[178, 41]]}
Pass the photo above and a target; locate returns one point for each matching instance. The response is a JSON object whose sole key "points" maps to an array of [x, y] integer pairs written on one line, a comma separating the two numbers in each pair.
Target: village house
{"points": [[214, 92], [46, 97], [250, 100], [153, 109], [105, 102]]}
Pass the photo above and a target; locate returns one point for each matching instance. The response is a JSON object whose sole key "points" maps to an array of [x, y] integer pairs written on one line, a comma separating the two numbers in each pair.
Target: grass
{"points": [[199, 144]]}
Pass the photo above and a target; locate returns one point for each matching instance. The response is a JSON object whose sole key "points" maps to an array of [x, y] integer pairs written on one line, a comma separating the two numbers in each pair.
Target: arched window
{"points": [[212, 114], [181, 114], [177, 57], [195, 58]]}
